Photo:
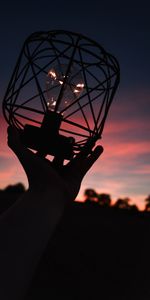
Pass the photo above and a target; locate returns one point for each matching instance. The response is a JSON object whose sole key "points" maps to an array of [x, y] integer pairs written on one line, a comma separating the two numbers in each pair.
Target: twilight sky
{"points": [[123, 29]]}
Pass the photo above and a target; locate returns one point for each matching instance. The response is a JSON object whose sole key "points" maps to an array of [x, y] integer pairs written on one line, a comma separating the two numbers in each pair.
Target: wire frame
{"points": [[72, 72]]}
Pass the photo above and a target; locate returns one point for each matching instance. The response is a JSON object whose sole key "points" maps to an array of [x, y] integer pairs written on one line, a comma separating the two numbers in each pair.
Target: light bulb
{"points": [[70, 83]]}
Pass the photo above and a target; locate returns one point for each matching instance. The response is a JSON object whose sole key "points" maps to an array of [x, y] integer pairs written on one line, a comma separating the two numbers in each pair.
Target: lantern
{"points": [[60, 92]]}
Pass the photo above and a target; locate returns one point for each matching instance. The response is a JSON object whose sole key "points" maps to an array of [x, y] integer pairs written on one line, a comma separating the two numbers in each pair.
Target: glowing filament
{"points": [[80, 85], [52, 74], [76, 91], [78, 88]]}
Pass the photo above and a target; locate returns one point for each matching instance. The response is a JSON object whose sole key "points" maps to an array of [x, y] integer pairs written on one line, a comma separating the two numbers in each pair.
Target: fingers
{"points": [[91, 159], [81, 165], [87, 149]]}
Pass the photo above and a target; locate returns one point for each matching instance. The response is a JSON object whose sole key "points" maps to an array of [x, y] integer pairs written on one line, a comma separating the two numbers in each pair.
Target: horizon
{"points": [[83, 198]]}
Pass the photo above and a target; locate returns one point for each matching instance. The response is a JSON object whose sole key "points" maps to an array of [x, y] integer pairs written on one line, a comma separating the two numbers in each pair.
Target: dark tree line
{"points": [[11, 193], [105, 200]]}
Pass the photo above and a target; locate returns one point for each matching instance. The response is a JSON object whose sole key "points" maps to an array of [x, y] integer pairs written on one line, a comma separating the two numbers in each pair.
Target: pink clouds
{"points": [[126, 157], [120, 156], [125, 126], [142, 170], [128, 149], [124, 167]]}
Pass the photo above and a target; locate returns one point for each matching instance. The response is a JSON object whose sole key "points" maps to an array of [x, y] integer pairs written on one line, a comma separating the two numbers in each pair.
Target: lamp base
{"points": [[46, 139], [53, 144]]}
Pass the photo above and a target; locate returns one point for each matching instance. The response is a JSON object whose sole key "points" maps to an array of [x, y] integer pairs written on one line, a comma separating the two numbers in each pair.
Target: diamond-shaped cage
{"points": [[65, 72]]}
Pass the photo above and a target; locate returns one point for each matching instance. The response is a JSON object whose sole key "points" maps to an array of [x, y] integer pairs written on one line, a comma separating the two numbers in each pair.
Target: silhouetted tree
{"points": [[15, 189], [125, 204], [122, 203], [104, 199], [147, 205], [9, 195], [90, 195]]}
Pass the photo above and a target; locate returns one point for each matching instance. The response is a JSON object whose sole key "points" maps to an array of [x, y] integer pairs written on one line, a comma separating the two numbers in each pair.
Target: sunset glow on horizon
{"points": [[123, 170]]}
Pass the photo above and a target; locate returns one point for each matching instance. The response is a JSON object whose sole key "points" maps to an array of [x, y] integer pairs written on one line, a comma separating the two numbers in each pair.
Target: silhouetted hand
{"points": [[28, 225], [47, 175]]}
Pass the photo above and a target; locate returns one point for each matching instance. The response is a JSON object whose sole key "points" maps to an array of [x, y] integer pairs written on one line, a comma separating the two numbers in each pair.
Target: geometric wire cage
{"points": [[65, 73]]}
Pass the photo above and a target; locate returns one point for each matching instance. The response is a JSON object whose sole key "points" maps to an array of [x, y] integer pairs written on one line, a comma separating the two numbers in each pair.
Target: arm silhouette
{"points": [[27, 226]]}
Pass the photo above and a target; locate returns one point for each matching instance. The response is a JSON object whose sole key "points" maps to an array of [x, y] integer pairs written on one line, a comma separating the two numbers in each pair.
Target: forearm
{"points": [[24, 233]]}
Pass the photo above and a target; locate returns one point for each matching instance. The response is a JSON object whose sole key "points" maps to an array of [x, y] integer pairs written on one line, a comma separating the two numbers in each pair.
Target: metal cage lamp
{"points": [[60, 92]]}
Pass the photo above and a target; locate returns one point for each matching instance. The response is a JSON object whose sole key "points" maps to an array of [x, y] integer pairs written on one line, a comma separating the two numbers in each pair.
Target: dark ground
{"points": [[96, 253]]}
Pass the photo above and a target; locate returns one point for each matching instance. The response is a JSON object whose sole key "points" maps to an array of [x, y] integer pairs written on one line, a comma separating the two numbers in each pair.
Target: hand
{"points": [[43, 174]]}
